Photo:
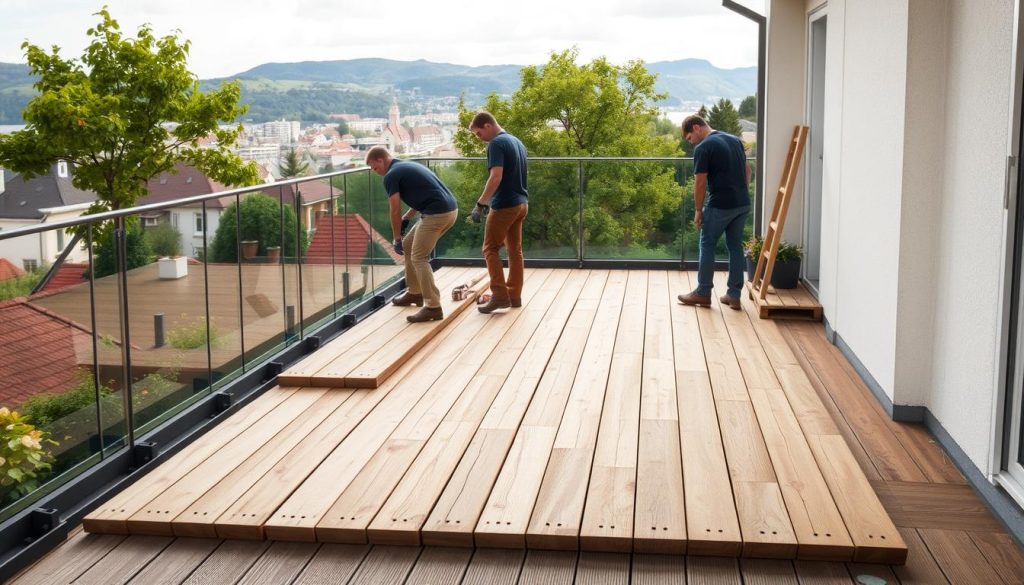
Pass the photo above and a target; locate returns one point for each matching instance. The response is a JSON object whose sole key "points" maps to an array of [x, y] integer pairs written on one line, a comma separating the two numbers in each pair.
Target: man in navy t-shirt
{"points": [[420, 189], [506, 195], [721, 177]]}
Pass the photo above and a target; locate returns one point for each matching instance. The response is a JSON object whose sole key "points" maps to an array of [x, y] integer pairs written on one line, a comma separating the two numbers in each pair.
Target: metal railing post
{"points": [[579, 228], [121, 264]]}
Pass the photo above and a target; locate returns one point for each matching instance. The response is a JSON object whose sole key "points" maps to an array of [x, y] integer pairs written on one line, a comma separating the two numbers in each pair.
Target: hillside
{"points": [[310, 90]]}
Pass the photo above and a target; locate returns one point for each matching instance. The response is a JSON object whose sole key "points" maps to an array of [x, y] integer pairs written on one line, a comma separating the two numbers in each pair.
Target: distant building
{"points": [[395, 135], [47, 198]]}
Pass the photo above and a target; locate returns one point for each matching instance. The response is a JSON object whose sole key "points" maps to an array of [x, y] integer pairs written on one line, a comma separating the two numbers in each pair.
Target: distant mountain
{"points": [[310, 90]]}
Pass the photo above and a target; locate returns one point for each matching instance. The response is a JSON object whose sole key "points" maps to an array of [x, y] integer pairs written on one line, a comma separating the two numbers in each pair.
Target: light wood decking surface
{"points": [[951, 536]]}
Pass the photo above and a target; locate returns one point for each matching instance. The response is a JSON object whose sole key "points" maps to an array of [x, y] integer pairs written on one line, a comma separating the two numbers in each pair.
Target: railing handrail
{"points": [[107, 215]]}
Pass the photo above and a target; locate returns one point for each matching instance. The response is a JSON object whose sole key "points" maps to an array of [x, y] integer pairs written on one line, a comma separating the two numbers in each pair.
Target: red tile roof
{"points": [[69, 274], [41, 352], [9, 270], [351, 236], [187, 181]]}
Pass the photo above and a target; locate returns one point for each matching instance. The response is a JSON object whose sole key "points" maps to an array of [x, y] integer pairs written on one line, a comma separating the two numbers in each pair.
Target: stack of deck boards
{"points": [[365, 357], [600, 416]]}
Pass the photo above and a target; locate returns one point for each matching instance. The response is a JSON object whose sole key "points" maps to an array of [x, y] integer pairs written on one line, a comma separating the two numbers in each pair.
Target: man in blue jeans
{"points": [[722, 175]]}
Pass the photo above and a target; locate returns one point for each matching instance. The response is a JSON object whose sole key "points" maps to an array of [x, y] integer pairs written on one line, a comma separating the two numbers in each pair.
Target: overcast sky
{"points": [[231, 36]]}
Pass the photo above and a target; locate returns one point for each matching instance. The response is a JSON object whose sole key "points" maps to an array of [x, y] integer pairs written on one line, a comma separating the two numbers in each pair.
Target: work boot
{"points": [[494, 304], [408, 299], [695, 299], [732, 302], [426, 314], [516, 303]]}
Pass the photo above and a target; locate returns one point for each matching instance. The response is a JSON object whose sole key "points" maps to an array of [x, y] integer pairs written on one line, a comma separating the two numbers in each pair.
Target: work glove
{"points": [[398, 247], [478, 212], [405, 226]]}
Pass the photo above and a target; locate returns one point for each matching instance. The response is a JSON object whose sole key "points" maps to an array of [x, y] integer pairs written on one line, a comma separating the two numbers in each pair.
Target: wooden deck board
{"points": [[600, 416]]}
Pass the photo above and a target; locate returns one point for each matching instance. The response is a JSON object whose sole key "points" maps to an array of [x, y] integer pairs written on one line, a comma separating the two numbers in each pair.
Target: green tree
{"points": [[261, 220], [724, 117], [748, 108], [343, 127], [137, 250], [109, 114], [292, 165], [565, 108]]}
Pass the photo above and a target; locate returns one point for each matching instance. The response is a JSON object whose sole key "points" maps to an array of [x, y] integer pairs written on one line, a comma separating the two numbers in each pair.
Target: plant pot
{"points": [[173, 268], [786, 274], [751, 267], [249, 249], [273, 254]]}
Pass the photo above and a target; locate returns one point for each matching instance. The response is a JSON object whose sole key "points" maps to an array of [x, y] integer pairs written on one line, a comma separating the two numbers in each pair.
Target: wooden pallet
{"points": [[794, 303]]}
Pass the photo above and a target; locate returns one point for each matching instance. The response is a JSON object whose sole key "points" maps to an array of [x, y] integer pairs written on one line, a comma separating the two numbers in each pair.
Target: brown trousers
{"points": [[505, 228]]}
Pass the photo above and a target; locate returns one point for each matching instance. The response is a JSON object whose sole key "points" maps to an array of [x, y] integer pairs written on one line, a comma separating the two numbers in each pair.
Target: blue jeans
{"points": [[717, 222]]}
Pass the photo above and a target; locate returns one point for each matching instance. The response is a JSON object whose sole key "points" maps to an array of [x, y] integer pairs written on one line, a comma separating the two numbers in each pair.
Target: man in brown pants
{"points": [[420, 189], [506, 195]]}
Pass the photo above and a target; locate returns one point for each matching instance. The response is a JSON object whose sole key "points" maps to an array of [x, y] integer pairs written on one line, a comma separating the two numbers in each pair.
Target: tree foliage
{"points": [[292, 165], [109, 113], [724, 117], [748, 108], [137, 250], [261, 220], [565, 108]]}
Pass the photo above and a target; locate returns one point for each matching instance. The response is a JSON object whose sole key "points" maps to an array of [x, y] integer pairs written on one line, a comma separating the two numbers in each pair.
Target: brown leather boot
{"points": [[494, 304], [408, 299], [516, 303], [426, 314], [695, 299], [731, 302]]}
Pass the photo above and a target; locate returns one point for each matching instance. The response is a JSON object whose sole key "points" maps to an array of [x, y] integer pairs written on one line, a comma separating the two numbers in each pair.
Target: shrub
{"points": [[138, 250], [43, 409], [164, 240], [21, 286], [23, 461], [789, 253], [192, 335], [261, 220], [752, 247]]}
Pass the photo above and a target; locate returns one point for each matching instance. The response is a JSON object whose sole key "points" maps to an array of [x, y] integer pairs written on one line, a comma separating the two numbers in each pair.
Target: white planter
{"points": [[173, 268]]}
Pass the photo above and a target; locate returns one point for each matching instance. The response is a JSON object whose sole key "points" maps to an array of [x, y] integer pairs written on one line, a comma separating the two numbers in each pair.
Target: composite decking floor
{"points": [[951, 536]]}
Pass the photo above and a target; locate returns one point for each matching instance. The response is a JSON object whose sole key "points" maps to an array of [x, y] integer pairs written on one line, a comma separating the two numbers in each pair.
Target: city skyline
{"points": [[231, 37]]}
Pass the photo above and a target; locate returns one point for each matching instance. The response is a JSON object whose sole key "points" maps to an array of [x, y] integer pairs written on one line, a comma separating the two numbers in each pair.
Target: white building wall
{"points": [[917, 124], [977, 114]]}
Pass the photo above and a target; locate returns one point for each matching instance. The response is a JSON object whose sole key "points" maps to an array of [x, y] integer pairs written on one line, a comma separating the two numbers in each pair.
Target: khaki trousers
{"points": [[505, 228], [418, 245]]}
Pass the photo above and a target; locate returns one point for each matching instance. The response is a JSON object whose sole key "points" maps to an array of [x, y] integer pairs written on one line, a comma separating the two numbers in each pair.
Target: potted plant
{"points": [[752, 251], [273, 254], [249, 249], [786, 273], [172, 268]]}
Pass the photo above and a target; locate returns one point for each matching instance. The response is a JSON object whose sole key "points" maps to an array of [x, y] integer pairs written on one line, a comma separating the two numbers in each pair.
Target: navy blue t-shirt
{"points": [[506, 151], [721, 156], [418, 187]]}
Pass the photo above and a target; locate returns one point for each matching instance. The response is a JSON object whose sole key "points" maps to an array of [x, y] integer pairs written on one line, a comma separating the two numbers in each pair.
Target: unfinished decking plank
{"points": [[301, 373], [873, 532], [611, 493], [816, 520], [468, 384], [198, 519], [558, 512], [246, 517], [297, 517], [383, 363], [764, 522], [112, 516], [506, 511], [155, 517], [712, 525], [401, 516], [660, 502]]}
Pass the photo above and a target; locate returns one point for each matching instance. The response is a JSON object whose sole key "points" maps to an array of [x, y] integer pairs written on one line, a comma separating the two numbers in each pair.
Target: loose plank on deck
{"points": [[374, 330]]}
